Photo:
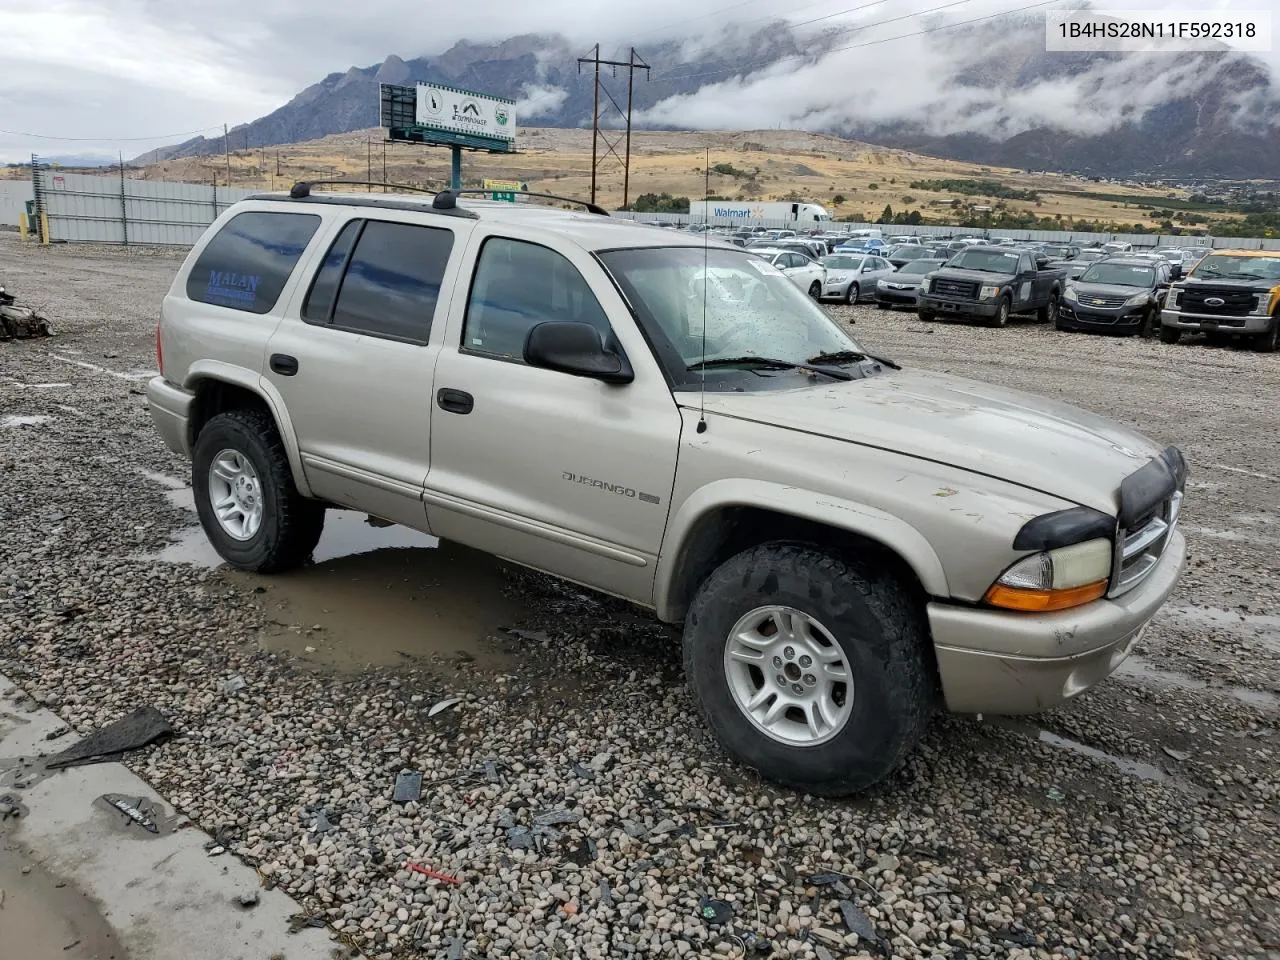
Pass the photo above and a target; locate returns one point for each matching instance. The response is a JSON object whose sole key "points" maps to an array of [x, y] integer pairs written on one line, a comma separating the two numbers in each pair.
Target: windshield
{"points": [[986, 260], [908, 252], [920, 267], [1121, 274], [1238, 268], [1089, 255], [842, 263], [752, 309]]}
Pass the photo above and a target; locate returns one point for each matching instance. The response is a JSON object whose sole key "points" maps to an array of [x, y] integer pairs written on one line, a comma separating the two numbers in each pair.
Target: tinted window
{"points": [[324, 288], [393, 280], [248, 263], [517, 286]]}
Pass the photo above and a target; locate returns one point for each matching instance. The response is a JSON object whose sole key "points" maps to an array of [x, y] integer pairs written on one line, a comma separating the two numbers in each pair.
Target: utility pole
{"points": [[632, 64], [384, 166], [368, 146], [226, 144]]}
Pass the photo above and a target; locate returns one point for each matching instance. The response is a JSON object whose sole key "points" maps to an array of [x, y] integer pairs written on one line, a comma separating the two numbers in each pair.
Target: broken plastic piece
{"points": [[520, 838], [443, 705], [322, 824], [715, 912], [552, 817], [144, 726], [233, 684], [408, 787], [491, 771], [134, 810], [856, 921], [434, 874], [585, 773]]}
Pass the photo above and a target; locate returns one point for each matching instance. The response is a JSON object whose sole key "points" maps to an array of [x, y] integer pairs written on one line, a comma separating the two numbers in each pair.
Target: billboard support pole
{"points": [[455, 168]]}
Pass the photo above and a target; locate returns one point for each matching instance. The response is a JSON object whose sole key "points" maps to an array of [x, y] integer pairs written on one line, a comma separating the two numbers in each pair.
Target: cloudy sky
{"points": [[92, 77]]}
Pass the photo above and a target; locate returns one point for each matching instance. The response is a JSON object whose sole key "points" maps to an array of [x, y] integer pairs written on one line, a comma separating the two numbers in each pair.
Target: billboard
{"points": [[461, 111]]}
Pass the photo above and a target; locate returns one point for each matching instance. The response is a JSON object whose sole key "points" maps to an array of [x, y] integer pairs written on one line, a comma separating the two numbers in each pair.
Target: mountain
{"points": [[988, 95]]}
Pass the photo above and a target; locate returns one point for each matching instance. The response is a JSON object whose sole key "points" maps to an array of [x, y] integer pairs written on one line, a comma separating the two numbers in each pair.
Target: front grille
{"points": [[1139, 548], [1235, 303], [960, 289], [1107, 303]]}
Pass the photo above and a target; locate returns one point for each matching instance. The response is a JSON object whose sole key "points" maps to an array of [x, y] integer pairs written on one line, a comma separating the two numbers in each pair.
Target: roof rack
{"points": [[590, 207], [301, 191]]}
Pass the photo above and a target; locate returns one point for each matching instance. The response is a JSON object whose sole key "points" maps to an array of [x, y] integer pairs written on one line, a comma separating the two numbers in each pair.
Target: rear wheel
{"points": [[815, 290], [1170, 334], [853, 294], [810, 666], [245, 496], [1049, 312], [1267, 342]]}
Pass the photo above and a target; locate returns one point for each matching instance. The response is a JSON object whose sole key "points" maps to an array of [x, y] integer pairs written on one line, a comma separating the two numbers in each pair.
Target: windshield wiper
{"points": [[835, 373], [1238, 276], [850, 356]]}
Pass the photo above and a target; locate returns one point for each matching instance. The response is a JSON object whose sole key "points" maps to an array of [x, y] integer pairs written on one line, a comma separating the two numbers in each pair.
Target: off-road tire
{"points": [[1049, 312], [1001, 316], [815, 290], [1170, 334], [1150, 323], [1268, 342], [291, 523], [883, 635], [853, 294]]}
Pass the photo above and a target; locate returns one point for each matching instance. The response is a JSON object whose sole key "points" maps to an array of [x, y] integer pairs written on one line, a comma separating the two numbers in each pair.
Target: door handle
{"points": [[455, 401], [284, 364]]}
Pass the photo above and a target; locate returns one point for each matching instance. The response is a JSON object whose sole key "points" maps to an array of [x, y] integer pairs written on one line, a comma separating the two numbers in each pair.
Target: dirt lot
{"points": [[1140, 820]]}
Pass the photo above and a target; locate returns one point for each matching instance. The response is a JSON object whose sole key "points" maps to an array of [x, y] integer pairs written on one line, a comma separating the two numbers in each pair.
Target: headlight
{"points": [[1173, 299], [924, 285], [1137, 299], [988, 291], [1054, 579], [1263, 305], [1069, 293]]}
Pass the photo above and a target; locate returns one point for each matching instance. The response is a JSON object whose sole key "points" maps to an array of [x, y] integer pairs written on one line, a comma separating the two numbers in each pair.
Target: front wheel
{"points": [[245, 496], [853, 294], [809, 666], [1150, 321], [1001, 318], [815, 290], [1170, 334]]}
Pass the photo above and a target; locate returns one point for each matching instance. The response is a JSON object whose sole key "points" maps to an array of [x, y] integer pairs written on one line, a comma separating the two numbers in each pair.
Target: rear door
{"points": [[354, 359]]}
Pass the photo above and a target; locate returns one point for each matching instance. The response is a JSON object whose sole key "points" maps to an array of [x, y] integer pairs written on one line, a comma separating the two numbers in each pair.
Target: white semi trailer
{"points": [[708, 210]]}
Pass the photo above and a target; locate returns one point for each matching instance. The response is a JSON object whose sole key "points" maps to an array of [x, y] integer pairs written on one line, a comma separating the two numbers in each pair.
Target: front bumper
{"points": [[170, 408], [992, 661], [835, 290], [960, 308], [1095, 318], [1213, 322], [903, 297]]}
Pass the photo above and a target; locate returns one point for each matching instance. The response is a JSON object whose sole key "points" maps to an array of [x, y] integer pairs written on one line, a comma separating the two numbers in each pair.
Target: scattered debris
{"points": [[20, 323], [144, 726], [248, 899], [856, 921], [715, 912], [408, 787], [72, 944], [553, 817], [301, 921], [1179, 755], [520, 838], [491, 772], [569, 908], [443, 705], [1055, 794], [217, 851], [233, 684], [135, 810], [1019, 938], [59, 732], [584, 853], [606, 895], [946, 492], [583, 773], [455, 947], [434, 874], [666, 826], [322, 824]]}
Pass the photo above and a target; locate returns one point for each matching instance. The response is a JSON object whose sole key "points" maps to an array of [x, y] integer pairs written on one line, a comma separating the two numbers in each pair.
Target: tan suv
{"points": [[667, 419]]}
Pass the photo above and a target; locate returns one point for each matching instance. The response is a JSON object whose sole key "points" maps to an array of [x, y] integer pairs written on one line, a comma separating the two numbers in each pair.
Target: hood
{"points": [[980, 276], [1038, 443], [1233, 285], [1107, 290]]}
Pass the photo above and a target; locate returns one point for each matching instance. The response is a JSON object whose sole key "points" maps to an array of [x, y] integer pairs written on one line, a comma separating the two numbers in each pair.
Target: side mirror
{"points": [[575, 348]]}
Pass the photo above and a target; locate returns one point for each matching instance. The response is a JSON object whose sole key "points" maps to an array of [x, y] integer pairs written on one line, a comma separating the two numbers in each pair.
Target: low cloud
{"points": [[537, 100]]}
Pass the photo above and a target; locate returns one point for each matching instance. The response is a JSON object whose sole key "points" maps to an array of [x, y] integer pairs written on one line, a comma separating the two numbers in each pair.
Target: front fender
{"points": [[835, 512], [255, 383]]}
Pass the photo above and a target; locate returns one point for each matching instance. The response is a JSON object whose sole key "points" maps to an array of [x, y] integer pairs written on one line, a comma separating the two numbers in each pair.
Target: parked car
{"points": [[902, 287], [863, 245], [1117, 295], [1117, 246], [906, 253], [990, 284], [847, 544], [806, 273], [898, 241], [1229, 294], [1091, 255], [1071, 269], [851, 277], [1059, 251]]}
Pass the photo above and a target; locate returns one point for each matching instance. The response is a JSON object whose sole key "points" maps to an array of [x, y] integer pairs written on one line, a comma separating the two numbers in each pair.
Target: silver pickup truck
{"points": [[848, 544]]}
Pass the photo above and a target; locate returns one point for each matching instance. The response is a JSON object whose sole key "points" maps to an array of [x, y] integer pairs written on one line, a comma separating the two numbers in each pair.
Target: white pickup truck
{"points": [[849, 545]]}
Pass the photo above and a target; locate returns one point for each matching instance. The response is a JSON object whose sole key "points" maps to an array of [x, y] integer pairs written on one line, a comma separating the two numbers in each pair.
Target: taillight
{"points": [[159, 352]]}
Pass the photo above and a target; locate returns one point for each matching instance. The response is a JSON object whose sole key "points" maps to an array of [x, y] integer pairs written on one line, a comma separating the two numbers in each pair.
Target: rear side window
{"points": [[248, 262], [517, 286], [382, 279]]}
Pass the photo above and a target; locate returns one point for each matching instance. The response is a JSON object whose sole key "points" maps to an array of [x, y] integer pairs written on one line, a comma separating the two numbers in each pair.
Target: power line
{"points": [[162, 136]]}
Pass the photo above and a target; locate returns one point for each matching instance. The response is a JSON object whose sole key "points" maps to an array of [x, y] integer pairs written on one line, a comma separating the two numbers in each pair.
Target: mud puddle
{"points": [[1260, 628], [42, 918], [1143, 672], [1126, 765]]}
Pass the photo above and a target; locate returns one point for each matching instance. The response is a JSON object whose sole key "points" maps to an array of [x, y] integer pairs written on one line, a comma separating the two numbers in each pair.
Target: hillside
{"points": [[854, 180], [987, 95]]}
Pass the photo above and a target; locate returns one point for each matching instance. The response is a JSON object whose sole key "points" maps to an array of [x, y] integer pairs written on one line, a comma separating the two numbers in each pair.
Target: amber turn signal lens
{"points": [[1044, 601]]}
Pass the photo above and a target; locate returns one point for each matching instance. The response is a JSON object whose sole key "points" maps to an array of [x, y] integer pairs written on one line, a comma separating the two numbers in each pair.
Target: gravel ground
{"points": [[571, 791]]}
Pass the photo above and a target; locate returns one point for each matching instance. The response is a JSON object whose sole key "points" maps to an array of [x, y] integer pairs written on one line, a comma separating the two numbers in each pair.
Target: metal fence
{"points": [[1049, 236], [91, 209], [14, 195]]}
